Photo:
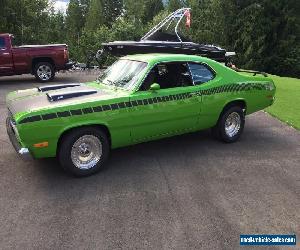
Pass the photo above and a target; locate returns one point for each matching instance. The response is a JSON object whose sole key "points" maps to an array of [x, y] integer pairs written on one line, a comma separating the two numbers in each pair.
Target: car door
{"points": [[170, 110], [6, 61], [209, 84]]}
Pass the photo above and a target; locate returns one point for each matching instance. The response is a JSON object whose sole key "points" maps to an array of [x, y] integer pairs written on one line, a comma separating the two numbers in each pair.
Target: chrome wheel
{"points": [[86, 152], [44, 72], [232, 124]]}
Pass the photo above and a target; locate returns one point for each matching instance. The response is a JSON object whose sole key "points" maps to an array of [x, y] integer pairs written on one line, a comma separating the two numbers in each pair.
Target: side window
{"points": [[168, 75], [2, 42], [200, 73]]}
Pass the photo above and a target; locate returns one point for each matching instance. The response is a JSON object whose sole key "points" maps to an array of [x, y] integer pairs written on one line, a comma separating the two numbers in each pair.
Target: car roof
{"points": [[163, 57]]}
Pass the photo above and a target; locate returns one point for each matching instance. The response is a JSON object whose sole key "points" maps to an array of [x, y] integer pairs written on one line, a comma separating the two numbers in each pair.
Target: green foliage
{"points": [[287, 90], [264, 33], [23, 18], [157, 19], [55, 28], [175, 4], [103, 13], [134, 9], [126, 29], [267, 36], [112, 10], [151, 8], [91, 41], [207, 24], [142, 11], [95, 16], [74, 22]]}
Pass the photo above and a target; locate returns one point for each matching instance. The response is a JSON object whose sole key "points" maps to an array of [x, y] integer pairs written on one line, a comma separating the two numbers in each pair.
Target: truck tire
{"points": [[84, 151], [230, 125], [44, 71]]}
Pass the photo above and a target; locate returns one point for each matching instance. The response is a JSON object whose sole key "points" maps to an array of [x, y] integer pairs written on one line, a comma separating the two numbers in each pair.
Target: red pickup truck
{"points": [[39, 60]]}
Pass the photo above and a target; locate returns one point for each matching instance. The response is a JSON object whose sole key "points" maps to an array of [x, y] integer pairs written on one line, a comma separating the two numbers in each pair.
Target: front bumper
{"points": [[11, 131]]}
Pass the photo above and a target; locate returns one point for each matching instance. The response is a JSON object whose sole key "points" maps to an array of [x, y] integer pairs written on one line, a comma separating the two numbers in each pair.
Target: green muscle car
{"points": [[139, 98]]}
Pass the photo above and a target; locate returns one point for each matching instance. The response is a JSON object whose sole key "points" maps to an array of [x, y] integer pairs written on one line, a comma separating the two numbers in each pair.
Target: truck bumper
{"points": [[11, 131], [69, 65]]}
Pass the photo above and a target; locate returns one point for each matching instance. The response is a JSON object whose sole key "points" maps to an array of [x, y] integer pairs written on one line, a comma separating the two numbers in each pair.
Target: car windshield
{"points": [[123, 73]]}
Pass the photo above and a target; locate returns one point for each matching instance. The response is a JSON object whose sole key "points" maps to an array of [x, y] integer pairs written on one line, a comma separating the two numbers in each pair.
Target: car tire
{"points": [[44, 72], [230, 125], [84, 151]]}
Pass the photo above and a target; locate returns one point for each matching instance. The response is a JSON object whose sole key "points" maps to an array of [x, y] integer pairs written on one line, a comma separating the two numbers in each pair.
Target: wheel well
{"points": [[99, 127], [241, 103], [35, 61]]}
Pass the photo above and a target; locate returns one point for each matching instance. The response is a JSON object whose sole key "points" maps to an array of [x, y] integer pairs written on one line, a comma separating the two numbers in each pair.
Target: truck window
{"points": [[2, 42]]}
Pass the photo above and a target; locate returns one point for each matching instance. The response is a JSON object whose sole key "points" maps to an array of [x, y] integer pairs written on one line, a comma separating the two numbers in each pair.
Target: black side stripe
{"points": [[63, 114], [229, 88], [87, 110], [76, 112], [34, 118], [49, 116], [97, 109]]}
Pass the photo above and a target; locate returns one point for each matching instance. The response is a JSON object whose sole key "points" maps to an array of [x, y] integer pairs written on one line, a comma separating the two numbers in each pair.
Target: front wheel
{"points": [[44, 72], [83, 152], [230, 125]]}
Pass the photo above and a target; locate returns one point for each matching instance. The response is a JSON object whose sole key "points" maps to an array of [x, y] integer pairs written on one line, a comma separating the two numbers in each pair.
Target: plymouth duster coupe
{"points": [[139, 98]]}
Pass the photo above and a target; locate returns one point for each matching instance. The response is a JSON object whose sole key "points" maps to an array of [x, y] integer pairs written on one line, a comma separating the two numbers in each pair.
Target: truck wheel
{"points": [[230, 125], [84, 151], [44, 71]]}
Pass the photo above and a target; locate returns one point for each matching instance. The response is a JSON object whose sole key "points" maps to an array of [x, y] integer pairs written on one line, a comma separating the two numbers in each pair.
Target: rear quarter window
{"points": [[201, 73]]}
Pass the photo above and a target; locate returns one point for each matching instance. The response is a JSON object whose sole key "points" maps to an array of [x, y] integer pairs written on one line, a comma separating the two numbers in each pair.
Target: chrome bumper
{"points": [[11, 131]]}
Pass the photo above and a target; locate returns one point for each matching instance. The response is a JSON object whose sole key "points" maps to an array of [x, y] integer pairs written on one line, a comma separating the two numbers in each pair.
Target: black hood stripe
{"points": [[57, 86], [222, 89]]}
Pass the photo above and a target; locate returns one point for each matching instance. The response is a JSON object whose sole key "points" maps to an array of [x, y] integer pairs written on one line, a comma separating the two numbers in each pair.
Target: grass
{"points": [[287, 103]]}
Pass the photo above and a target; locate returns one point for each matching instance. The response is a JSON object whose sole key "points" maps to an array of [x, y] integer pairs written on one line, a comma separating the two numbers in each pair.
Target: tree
{"points": [[55, 28], [207, 25], [267, 36], [151, 9], [134, 9], [95, 17], [74, 21], [112, 10], [175, 5]]}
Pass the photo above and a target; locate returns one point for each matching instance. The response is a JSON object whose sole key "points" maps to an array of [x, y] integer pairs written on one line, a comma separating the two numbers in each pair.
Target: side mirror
{"points": [[154, 87]]}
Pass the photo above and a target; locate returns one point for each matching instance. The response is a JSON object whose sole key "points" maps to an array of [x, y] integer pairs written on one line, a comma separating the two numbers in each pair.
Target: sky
{"points": [[61, 5]]}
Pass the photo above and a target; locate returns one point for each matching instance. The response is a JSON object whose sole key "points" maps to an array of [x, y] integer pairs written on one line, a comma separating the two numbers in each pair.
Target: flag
{"points": [[188, 18]]}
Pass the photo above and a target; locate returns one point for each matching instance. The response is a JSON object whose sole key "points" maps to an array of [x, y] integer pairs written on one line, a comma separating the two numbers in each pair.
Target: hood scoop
{"points": [[67, 95], [57, 86]]}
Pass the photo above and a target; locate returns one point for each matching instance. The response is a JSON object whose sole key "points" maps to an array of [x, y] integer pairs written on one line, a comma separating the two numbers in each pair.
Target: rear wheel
{"points": [[84, 151], [230, 125], [44, 71]]}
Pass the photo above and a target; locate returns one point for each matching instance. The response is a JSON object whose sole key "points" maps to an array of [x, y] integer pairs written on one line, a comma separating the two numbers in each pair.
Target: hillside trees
{"points": [[266, 36], [264, 33], [24, 18]]}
